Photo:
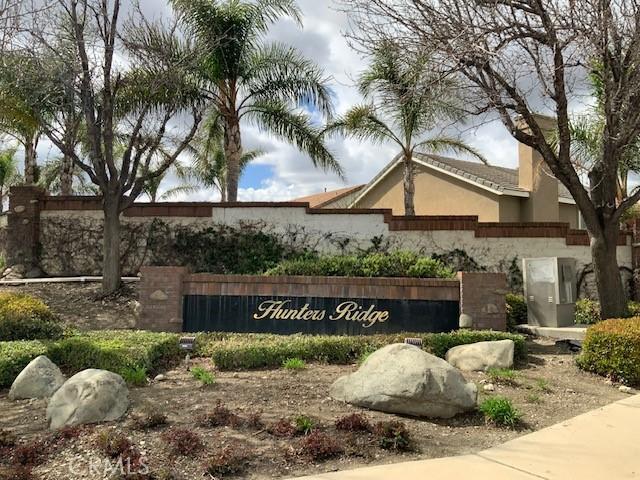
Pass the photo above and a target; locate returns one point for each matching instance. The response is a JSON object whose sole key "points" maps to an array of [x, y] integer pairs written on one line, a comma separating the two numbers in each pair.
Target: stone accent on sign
{"points": [[404, 379], [161, 298], [482, 296]]}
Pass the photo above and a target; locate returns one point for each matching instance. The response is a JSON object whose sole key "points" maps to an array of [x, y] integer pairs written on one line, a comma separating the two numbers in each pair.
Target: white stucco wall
{"points": [[334, 233]]}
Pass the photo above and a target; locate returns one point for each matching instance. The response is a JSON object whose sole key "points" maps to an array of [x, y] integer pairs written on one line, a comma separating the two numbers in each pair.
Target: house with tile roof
{"points": [[447, 186], [341, 198]]}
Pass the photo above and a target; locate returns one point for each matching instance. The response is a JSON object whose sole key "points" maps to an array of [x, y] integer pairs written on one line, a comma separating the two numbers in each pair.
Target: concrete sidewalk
{"points": [[603, 444]]}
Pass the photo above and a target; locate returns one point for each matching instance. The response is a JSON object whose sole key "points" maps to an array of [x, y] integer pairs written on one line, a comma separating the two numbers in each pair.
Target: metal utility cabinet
{"points": [[550, 290]]}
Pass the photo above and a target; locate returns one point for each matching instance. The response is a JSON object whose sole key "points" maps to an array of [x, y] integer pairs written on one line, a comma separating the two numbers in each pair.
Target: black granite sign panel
{"points": [[317, 315]]}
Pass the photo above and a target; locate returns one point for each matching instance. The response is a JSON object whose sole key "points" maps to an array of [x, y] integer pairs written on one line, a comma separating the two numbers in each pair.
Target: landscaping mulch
{"points": [[549, 389]]}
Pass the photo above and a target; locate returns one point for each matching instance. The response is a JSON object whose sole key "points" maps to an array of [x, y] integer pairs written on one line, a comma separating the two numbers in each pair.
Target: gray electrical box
{"points": [[550, 291]]}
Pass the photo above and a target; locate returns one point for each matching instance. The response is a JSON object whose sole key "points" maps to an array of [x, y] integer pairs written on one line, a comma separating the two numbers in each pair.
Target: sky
{"points": [[284, 173]]}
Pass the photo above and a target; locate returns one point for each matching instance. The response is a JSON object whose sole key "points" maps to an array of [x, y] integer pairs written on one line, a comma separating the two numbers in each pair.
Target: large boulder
{"points": [[91, 396], [404, 379], [39, 379], [482, 356]]}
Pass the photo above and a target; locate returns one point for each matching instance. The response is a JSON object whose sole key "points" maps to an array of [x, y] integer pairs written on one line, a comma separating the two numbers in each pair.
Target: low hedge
{"points": [[396, 264], [23, 317], [232, 351], [117, 351], [612, 348], [14, 356]]}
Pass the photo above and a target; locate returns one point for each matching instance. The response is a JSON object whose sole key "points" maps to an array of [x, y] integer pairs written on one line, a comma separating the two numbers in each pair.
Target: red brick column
{"points": [[482, 296], [161, 298], [23, 226]]}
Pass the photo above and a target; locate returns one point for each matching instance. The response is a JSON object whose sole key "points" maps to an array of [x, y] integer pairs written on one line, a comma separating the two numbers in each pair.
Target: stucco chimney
{"points": [[535, 177]]}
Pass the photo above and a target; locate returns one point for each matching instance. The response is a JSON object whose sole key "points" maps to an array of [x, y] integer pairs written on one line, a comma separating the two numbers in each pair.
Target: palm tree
{"points": [[408, 99], [247, 79], [8, 173], [59, 177], [152, 186], [210, 167]]}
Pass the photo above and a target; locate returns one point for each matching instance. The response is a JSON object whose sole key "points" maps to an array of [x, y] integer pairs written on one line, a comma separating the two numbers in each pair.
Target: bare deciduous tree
{"points": [[131, 102], [522, 57]]}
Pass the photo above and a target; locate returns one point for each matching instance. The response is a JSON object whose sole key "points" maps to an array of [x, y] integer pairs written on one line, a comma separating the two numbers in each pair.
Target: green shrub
{"points": [[516, 310], [116, 351], [396, 264], [294, 364], [134, 376], [612, 348], [304, 425], [440, 343], [23, 317], [500, 411], [14, 356], [587, 311], [203, 375], [232, 351]]}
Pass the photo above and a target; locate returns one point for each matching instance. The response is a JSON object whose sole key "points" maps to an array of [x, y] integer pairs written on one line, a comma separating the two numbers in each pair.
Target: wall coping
{"points": [[320, 280]]}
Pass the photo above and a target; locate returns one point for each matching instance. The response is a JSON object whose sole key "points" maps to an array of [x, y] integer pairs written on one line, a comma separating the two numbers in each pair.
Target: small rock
{"points": [[159, 378], [625, 389], [489, 387], [570, 390]]}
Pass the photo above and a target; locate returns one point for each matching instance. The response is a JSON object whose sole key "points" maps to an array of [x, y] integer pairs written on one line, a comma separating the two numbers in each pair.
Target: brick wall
{"points": [[23, 226], [160, 293], [482, 296]]}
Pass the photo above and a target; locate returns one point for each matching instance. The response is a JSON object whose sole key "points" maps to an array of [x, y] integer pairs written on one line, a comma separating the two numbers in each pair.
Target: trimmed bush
{"points": [[440, 343], [118, 351], [23, 317], [516, 310], [233, 351], [612, 348], [587, 311], [396, 264], [14, 356]]}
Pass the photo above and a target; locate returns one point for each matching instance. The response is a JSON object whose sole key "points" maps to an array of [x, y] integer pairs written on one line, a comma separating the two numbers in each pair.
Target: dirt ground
{"points": [[547, 390], [80, 304]]}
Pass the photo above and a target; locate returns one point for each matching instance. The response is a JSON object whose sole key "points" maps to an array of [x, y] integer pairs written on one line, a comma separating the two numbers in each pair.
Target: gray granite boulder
{"points": [[482, 356], [91, 396], [404, 379], [39, 379]]}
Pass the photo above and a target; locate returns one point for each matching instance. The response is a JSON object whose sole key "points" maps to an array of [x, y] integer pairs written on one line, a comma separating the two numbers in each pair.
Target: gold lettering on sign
{"points": [[349, 311]]}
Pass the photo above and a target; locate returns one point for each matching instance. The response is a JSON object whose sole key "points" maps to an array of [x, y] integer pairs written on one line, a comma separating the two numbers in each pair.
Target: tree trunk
{"points": [[111, 253], [611, 291], [233, 153], [29, 161], [66, 176], [409, 187]]}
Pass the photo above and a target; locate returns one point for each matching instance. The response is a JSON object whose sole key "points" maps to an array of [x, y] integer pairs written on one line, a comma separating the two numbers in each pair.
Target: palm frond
{"points": [[276, 118], [280, 72], [444, 144], [362, 122]]}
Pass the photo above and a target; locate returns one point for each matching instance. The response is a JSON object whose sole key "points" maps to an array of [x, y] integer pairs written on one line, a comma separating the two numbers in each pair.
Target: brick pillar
{"points": [[23, 226], [482, 296], [161, 298]]}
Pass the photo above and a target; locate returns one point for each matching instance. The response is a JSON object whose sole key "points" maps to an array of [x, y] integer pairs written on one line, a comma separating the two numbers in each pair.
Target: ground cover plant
{"points": [[203, 375], [612, 348], [500, 411], [394, 264], [231, 351]]}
